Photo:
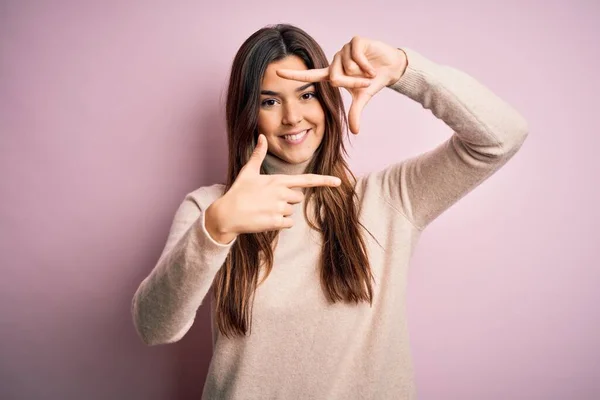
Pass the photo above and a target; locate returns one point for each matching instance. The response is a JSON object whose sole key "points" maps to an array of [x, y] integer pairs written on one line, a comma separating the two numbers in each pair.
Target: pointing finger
{"points": [[310, 180], [310, 75]]}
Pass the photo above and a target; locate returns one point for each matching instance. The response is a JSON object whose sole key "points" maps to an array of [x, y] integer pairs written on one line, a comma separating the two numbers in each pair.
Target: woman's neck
{"points": [[275, 165]]}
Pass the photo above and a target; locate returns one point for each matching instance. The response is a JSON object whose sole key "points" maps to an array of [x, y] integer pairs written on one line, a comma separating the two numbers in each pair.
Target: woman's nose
{"points": [[292, 115]]}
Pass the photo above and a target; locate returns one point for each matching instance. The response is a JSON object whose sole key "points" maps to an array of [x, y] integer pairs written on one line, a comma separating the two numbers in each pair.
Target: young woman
{"points": [[308, 264]]}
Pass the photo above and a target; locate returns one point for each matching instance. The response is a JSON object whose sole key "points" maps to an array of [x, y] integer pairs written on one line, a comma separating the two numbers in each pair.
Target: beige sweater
{"points": [[300, 346]]}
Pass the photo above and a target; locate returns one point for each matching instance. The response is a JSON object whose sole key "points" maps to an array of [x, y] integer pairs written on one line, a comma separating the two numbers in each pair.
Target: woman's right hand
{"points": [[259, 203]]}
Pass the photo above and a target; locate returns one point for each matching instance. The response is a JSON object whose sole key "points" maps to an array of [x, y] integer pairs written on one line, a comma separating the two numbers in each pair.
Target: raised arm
{"points": [[487, 133]]}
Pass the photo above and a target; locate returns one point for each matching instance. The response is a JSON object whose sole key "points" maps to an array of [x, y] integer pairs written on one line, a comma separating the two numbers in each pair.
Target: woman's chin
{"points": [[297, 158]]}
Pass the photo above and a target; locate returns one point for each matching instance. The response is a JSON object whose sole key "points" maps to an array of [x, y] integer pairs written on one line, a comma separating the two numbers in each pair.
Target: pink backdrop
{"points": [[111, 111]]}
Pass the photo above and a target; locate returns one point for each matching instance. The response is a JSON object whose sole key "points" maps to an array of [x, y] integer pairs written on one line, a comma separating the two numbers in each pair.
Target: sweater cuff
{"points": [[207, 241], [414, 79]]}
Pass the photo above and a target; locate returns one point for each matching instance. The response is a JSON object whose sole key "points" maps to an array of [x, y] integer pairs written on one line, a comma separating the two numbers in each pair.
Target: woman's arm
{"points": [[165, 304], [487, 133]]}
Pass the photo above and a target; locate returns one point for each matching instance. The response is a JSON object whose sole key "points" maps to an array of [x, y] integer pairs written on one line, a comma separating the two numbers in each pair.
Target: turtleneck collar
{"points": [[275, 165]]}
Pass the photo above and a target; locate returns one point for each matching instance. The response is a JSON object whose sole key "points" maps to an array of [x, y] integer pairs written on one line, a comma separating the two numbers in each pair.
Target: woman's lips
{"points": [[299, 140]]}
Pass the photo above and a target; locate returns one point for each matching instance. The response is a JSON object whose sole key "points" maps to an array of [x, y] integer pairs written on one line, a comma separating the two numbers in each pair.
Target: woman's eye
{"points": [[271, 102], [268, 103]]}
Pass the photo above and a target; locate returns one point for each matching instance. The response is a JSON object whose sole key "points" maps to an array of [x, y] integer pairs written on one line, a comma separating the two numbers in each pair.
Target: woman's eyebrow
{"points": [[272, 93]]}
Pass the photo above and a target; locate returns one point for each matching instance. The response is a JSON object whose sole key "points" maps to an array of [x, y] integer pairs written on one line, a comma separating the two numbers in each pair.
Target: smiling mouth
{"points": [[297, 138]]}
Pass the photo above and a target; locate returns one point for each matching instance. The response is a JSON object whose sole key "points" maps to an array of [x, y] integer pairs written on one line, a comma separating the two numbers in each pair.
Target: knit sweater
{"points": [[301, 346]]}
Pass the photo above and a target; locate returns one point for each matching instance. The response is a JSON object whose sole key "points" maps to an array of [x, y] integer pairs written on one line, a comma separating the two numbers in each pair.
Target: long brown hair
{"points": [[344, 265]]}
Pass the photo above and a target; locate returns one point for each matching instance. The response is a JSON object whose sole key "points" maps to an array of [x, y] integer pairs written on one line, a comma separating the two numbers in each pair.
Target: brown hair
{"points": [[344, 265]]}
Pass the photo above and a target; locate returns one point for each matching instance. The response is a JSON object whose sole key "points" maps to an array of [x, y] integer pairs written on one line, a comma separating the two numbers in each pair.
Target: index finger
{"points": [[311, 180], [306, 75]]}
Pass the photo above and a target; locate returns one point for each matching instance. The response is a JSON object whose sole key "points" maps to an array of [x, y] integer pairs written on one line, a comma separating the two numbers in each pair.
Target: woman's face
{"points": [[287, 107]]}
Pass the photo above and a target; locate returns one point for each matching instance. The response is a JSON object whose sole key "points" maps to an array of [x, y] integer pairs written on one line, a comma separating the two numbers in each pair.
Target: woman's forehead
{"points": [[273, 82]]}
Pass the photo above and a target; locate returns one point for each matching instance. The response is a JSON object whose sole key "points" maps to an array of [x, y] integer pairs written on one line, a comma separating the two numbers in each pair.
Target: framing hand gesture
{"points": [[363, 67]]}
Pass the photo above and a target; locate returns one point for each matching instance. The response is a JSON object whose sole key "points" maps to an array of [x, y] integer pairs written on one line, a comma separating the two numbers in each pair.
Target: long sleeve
{"points": [[165, 304], [487, 133]]}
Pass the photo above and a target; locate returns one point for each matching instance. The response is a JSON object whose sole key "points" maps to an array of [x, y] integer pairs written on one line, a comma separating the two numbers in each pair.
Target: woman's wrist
{"points": [[214, 225], [399, 73]]}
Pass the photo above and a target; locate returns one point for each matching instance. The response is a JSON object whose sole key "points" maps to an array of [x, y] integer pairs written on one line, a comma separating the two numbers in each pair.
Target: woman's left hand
{"points": [[363, 67]]}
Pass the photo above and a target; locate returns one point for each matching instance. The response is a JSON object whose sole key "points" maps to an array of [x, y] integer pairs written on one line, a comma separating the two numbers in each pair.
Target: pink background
{"points": [[112, 111]]}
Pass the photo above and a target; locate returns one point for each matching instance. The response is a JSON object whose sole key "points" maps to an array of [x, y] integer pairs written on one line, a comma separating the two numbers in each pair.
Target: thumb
{"points": [[258, 155], [358, 104]]}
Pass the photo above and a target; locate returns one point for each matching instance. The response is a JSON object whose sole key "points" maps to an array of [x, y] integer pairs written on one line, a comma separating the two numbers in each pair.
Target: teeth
{"points": [[297, 136]]}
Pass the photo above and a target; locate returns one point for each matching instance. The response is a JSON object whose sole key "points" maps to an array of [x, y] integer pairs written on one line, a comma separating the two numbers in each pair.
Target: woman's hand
{"points": [[259, 203], [363, 67]]}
